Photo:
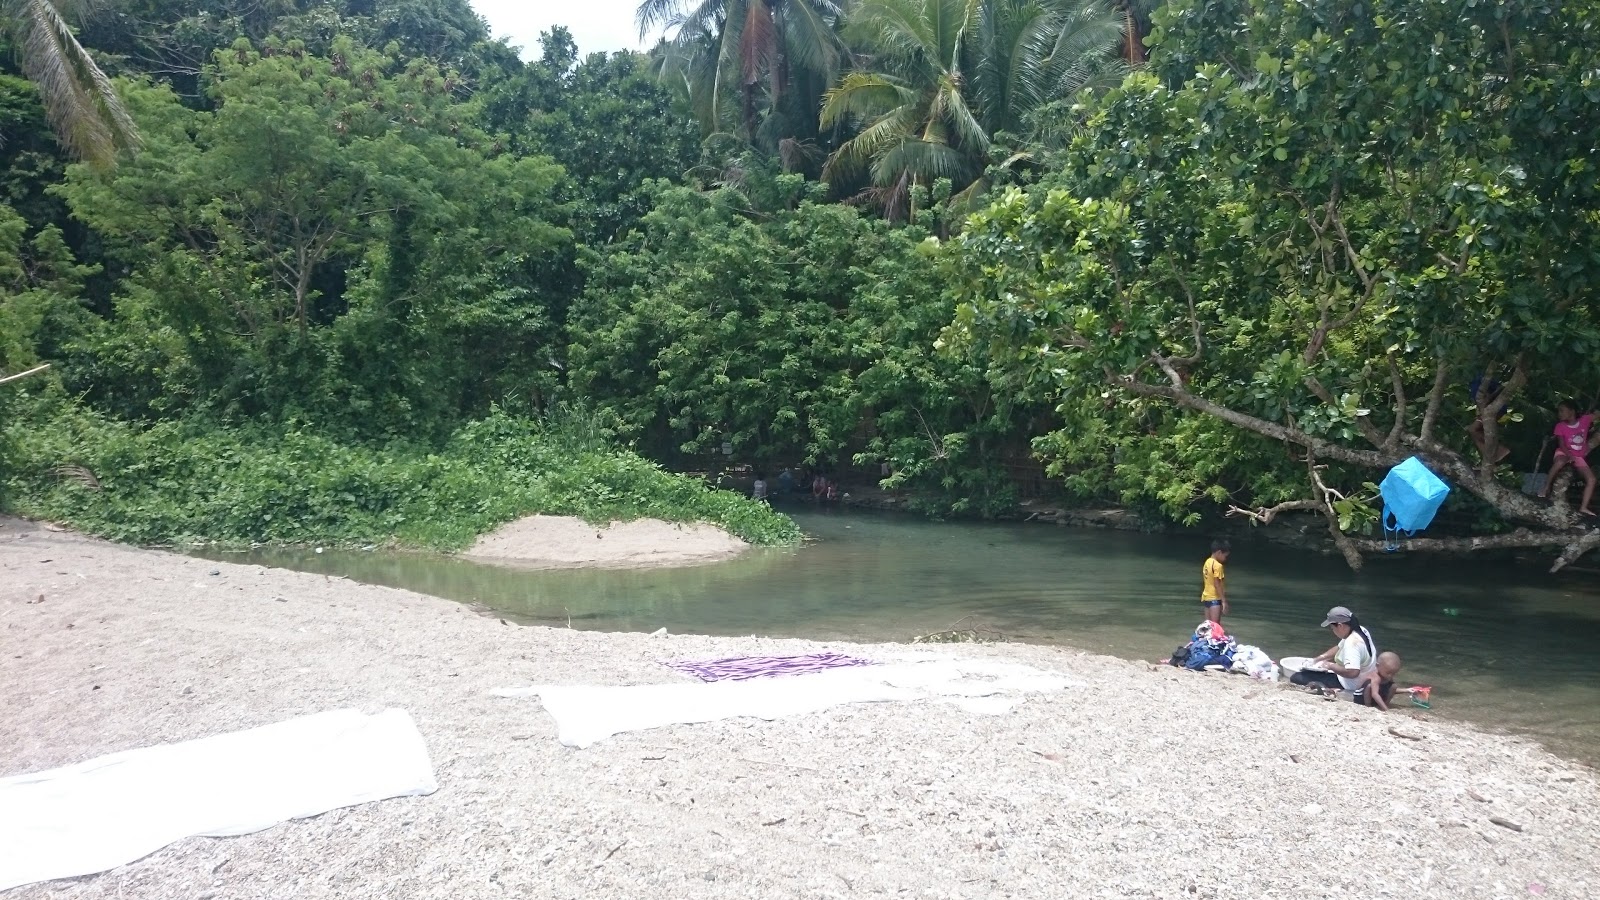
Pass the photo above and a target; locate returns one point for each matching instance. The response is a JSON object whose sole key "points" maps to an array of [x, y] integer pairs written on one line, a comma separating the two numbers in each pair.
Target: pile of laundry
{"points": [[1210, 647]]}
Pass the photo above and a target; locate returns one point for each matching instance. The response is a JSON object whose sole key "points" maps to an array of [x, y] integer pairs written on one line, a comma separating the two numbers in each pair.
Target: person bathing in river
{"points": [[1377, 686], [1346, 664], [1213, 591], [1572, 449]]}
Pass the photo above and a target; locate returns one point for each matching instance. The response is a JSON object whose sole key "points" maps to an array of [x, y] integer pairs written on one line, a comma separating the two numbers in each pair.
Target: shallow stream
{"points": [[1508, 648]]}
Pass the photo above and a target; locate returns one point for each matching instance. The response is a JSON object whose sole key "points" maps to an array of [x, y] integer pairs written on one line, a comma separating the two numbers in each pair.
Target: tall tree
{"points": [[78, 98], [1271, 268], [774, 56], [334, 240], [943, 77]]}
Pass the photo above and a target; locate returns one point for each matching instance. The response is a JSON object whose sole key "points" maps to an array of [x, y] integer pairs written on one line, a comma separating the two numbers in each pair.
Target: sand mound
{"points": [[555, 542]]}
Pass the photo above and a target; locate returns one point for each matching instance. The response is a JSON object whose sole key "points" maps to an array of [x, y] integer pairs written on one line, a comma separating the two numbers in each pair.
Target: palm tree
{"points": [[78, 98], [758, 49], [943, 77]]}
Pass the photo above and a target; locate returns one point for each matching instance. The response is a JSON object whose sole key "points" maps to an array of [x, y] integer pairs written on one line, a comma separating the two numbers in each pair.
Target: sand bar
{"points": [[560, 542]]}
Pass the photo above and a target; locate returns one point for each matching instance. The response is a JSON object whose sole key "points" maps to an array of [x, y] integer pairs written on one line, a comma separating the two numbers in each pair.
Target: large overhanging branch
{"points": [[1573, 544], [1443, 460]]}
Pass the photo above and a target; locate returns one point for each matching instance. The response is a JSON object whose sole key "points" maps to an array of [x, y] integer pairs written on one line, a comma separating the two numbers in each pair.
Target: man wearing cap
{"points": [[1343, 664]]}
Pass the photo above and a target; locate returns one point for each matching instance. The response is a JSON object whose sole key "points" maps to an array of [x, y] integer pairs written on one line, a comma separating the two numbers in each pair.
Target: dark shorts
{"points": [[1386, 688], [1207, 604], [1308, 677]]}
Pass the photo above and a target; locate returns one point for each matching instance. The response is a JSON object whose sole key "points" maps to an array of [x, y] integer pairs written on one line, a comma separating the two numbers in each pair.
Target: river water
{"points": [[1508, 648]]}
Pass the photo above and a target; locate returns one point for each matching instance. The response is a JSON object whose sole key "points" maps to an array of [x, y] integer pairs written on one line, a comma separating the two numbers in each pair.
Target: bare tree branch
{"points": [[20, 375]]}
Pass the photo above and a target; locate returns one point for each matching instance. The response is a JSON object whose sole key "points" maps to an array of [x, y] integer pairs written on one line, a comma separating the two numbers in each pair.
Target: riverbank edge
{"points": [[120, 647]]}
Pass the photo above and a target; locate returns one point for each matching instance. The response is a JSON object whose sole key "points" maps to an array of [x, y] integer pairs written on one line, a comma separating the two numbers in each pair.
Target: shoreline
{"points": [[1088, 792]]}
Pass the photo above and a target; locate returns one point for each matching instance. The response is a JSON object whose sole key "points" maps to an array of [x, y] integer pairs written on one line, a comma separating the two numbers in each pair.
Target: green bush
{"points": [[185, 482]]}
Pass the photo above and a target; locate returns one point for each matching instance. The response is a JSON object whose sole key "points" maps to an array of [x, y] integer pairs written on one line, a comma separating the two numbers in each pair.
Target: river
{"points": [[1508, 648]]}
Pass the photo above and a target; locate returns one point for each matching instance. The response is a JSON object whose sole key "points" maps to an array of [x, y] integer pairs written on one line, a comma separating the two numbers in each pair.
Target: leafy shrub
{"points": [[185, 482]]}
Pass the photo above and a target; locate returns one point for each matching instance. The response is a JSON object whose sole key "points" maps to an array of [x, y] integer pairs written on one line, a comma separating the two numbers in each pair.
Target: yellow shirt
{"points": [[1211, 575]]}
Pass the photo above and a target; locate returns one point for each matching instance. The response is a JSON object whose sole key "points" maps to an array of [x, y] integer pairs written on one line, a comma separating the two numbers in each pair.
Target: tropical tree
{"points": [[943, 77], [1272, 266], [755, 67], [79, 99], [334, 241]]}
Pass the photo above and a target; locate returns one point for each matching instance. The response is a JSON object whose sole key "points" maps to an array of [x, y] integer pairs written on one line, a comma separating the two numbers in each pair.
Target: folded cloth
{"points": [[112, 810], [738, 668], [586, 714]]}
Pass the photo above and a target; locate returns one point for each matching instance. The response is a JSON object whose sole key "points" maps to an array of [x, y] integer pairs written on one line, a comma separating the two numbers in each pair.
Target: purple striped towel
{"points": [[739, 668]]}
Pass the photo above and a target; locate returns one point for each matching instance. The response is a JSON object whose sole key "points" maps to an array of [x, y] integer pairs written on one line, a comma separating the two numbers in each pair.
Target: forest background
{"points": [[336, 270]]}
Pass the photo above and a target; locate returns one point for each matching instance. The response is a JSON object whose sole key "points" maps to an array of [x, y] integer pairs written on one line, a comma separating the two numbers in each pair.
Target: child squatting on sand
{"points": [[1377, 686]]}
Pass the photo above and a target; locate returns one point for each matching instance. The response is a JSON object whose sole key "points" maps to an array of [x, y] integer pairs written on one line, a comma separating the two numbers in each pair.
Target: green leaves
{"points": [[178, 482]]}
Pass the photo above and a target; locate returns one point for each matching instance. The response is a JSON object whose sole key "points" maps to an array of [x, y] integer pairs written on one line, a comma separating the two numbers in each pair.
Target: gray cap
{"points": [[1338, 615]]}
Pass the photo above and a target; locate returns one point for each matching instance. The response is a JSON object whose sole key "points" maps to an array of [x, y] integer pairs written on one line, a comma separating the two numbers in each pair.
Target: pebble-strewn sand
{"points": [[1149, 783]]}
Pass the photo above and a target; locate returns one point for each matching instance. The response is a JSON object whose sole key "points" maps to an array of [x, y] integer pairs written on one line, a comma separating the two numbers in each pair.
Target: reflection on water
{"points": [[1505, 647]]}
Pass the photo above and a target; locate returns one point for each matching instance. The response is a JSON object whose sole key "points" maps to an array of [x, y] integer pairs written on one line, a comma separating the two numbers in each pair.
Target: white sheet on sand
{"points": [[109, 811], [585, 714]]}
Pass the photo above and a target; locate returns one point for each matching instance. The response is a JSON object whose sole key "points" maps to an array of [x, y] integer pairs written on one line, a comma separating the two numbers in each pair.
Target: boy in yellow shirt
{"points": [[1213, 593]]}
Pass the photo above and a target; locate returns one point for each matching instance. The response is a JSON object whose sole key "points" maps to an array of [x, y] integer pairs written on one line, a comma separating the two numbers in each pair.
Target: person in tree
{"points": [[1213, 591], [1491, 392], [1572, 449]]}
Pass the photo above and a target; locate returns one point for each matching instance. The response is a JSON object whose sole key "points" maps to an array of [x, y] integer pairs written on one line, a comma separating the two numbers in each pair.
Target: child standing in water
{"points": [[1213, 593], [1572, 449]]}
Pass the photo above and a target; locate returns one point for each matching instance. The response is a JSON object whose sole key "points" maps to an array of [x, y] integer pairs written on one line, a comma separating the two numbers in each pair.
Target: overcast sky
{"points": [[597, 25]]}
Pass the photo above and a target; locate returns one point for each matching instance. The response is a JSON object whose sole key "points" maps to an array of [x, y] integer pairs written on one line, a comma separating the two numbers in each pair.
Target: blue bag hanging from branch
{"points": [[1411, 497]]}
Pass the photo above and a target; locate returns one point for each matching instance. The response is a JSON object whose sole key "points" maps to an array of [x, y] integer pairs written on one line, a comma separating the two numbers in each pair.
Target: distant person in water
{"points": [[1572, 449], [1213, 589], [819, 487], [758, 491], [785, 483], [833, 492], [1377, 686], [1491, 392]]}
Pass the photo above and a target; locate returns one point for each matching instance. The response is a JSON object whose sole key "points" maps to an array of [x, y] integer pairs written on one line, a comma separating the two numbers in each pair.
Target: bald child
{"points": [[1376, 688]]}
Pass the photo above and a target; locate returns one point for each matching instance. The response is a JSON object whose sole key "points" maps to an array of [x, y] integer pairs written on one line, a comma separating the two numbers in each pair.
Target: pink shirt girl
{"points": [[1572, 439]]}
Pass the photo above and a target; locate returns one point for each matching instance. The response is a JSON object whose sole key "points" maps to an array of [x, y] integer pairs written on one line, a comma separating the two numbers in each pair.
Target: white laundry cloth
{"points": [[585, 714], [110, 811]]}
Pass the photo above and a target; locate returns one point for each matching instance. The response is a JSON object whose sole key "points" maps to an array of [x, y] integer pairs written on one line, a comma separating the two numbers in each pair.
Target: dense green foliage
{"points": [[1297, 230], [174, 482], [805, 334], [1251, 273], [332, 242]]}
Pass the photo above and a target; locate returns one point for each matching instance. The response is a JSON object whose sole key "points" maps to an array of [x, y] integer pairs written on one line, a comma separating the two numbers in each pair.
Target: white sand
{"points": [[551, 542], [1105, 792]]}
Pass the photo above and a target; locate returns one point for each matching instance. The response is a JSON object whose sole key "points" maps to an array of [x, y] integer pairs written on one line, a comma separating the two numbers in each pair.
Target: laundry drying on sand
{"points": [[112, 810], [586, 714], [739, 668]]}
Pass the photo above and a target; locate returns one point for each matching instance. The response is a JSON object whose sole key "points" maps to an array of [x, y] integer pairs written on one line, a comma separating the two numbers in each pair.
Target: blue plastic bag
{"points": [[1411, 496]]}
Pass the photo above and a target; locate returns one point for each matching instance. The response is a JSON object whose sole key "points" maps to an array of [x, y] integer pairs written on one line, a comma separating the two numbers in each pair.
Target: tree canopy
{"points": [[1298, 230]]}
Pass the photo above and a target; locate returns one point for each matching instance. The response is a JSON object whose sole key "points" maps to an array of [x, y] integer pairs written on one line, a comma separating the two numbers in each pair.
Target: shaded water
{"points": [[1508, 648]]}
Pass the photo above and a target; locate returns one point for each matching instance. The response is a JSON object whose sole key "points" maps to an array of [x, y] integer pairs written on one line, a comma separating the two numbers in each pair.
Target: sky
{"points": [[596, 25]]}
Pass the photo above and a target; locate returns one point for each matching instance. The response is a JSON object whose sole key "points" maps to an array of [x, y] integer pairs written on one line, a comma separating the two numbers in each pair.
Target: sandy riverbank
{"points": [[1107, 791], [558, 542]]}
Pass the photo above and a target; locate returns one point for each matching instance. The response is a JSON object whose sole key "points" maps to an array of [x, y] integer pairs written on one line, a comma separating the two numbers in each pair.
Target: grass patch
{"points": [[184, 483]]}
